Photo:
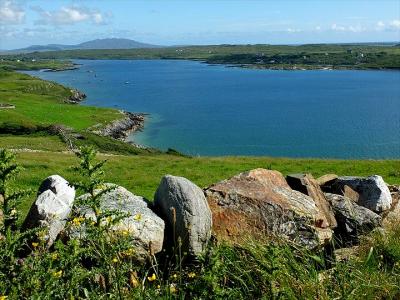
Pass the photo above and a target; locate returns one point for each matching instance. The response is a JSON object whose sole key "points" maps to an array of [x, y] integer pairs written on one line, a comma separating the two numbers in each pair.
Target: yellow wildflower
{"points": [[192, 275], [137, 217], [172, 288], [129, 252], [77, 221], [125, 232], [175, 276], [3, 297], [42, 235], [54, 256], [34, 244], [58, 274], [115, 260], [152, 277]]}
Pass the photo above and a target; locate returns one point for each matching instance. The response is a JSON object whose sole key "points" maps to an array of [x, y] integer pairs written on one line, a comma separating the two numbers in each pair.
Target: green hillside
{"points": [[348, 56]]}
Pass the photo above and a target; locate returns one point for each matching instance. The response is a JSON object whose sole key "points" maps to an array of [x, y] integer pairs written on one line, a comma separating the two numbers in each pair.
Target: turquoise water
{"points": [[215, 110]]}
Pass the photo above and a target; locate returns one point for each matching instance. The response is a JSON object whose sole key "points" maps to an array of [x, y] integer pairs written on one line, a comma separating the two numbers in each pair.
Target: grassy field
{"points": [[40, 103], [32, 64], [33, 141], [260, 56], [141, 174]]}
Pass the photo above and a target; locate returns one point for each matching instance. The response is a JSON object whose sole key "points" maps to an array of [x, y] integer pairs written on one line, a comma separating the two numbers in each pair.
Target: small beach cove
{"points": [[200, 109]]}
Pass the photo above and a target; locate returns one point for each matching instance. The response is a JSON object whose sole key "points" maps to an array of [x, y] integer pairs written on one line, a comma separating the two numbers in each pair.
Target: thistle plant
{"points": [[8, 196], [93, 183], [11, 240], [105, 249]]}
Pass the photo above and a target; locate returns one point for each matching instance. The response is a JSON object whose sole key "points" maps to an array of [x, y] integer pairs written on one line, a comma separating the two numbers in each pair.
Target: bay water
{"points": [[202, 109]]}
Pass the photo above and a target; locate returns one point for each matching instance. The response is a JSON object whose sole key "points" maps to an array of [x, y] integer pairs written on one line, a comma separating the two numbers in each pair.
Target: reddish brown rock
{"points": [[306, 184], [259, 203]]}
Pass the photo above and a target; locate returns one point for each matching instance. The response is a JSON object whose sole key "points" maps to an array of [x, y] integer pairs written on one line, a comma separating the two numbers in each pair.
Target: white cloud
{"points": [[98, 18], [68, 15], [380, 25], [338, 27], [393, 25], [351, 28], [357, 28], [293, 30], [10, 13]]}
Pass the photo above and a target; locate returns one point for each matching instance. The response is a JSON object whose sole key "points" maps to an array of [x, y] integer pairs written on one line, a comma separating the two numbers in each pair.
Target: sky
{"points": [[170, 22]]}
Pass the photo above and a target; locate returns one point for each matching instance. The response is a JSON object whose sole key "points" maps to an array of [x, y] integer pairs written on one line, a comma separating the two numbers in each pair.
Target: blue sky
{"points": [[169, 22]]}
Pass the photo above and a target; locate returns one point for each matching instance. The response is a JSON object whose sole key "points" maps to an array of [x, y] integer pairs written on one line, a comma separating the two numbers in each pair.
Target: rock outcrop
{"points": [[306, 184], [51, 208], [120, 129], [76, 97], [260, 202], [353, 220], [140, 223], [184, 207], [373, 191]]}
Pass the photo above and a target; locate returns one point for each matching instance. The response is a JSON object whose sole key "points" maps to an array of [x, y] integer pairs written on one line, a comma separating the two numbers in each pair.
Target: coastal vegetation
{"points": [[33, 64], [318, 56]]}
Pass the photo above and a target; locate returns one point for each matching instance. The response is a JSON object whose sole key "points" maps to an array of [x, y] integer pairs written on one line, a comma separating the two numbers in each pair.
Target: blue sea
{"points": [[200, 109]]}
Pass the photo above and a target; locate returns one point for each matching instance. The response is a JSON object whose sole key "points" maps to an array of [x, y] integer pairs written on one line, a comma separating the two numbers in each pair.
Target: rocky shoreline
{"points": [[76, 96], [119, 129], [122, 128]]}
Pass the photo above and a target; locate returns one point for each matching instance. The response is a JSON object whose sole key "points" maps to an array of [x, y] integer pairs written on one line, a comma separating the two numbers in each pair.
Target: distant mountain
{"points": [[112, 43]]}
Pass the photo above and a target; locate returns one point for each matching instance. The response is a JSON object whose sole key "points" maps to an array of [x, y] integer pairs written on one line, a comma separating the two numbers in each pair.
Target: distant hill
{"points": [[112, 43]]}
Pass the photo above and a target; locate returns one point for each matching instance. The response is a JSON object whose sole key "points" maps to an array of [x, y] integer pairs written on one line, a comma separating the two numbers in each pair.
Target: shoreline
{"points": [[118, 129], [121, 129]]}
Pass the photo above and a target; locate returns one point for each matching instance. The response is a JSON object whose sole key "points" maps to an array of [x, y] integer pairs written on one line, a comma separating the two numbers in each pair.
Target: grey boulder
{"points": [[373, 191], [353, 220], [138, 221], [184, 207], [51, 208]]}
